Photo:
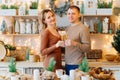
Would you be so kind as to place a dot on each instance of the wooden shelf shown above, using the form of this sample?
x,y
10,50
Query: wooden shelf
x,y
19,34
6,34
24,16
100,34
94,15
26,34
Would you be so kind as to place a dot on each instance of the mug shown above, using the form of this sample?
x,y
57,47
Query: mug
x,y
14,78
86,77
59,72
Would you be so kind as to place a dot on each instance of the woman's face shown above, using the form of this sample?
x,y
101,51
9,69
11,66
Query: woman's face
x,y
50,18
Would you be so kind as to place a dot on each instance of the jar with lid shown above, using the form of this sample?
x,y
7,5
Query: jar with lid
x,y
34,26
28,26
22,26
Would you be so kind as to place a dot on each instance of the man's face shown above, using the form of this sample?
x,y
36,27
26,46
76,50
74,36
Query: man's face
x,y
73,15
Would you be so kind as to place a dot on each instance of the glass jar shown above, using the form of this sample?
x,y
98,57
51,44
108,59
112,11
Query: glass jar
x,y
28,26
22,26
34,26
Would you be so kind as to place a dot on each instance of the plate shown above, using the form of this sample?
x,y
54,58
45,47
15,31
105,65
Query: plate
x,y
2,52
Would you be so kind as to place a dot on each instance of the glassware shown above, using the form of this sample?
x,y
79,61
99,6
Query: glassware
x,y
34,26
28,26
22,26
63,35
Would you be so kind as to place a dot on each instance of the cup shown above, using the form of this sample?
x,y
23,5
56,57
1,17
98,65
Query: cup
x,y
63,35
72,74
86,77
59,72
36,75
14,78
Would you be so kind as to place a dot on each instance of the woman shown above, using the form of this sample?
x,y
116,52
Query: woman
x,y
50,39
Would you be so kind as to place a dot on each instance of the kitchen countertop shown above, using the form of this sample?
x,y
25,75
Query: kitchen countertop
x,y
26,64
23,64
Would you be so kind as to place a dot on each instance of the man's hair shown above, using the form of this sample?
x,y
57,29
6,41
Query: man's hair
x,y
75,7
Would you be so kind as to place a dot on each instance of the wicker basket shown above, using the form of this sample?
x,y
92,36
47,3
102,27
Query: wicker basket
x,y
110,57
19,53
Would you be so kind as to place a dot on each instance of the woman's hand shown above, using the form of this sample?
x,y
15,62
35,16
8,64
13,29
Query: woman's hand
x,y
60,44
69,42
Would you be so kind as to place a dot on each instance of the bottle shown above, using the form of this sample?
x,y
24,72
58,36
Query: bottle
x,y
96,25
82,8
17,27
99,28
27,54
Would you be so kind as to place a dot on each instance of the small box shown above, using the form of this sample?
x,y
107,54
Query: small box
x,y
95,54
19,53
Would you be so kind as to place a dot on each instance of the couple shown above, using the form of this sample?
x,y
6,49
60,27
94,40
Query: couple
x,y
76,45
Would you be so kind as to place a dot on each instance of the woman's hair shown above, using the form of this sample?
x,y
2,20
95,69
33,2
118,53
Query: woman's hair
x,y
74,7
42,18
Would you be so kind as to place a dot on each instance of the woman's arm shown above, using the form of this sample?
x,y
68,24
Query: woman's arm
x,y
44,43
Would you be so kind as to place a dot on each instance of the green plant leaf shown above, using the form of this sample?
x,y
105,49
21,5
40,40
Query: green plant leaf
x,y
12,65
116,42
51,64
83,66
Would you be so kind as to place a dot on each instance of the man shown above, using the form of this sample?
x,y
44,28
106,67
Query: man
x,y
78,41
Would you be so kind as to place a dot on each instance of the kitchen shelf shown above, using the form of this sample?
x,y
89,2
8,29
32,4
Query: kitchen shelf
x,y
26,35
20,34
95,15
99,34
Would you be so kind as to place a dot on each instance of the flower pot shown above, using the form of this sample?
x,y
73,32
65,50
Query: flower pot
x,y
33,12
9,12
104,11
90,11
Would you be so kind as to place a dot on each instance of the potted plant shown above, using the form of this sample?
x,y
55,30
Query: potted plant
x,y
48,73
104,8
10,11
33,8
116,43
10,50
12,68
